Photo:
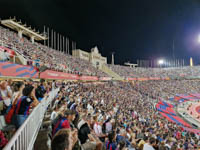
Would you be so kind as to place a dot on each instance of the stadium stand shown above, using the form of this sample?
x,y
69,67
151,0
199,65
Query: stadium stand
x,y
38,55
89,115
139,72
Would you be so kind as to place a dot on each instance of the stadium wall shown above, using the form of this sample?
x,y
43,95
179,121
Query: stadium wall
x,y
146,79
15,70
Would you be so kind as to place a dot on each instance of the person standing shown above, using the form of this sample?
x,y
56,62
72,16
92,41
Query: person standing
x,y
150,144
6,96
24,103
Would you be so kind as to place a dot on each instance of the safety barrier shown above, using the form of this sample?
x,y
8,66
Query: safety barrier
x,y
25,136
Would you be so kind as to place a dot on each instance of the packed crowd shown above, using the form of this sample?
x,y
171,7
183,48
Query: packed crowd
x,y
139,72
113,116
39,55
17,100
167,89
100,115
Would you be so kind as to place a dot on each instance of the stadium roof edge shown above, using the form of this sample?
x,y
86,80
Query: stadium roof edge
x,y
18,26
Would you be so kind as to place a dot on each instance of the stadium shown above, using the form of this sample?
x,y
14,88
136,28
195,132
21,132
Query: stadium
x,y
55,96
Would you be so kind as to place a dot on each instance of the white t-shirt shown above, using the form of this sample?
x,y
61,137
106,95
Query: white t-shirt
x,y
148,147
115,109
108,127
14,96
102,101
89,107
4,56
53,115
56,103
53,85
97,129
9,89
7,101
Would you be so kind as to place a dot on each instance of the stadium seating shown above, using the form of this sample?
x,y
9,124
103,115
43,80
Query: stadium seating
x,y
139,72
175,119
42,55
98,103
165,109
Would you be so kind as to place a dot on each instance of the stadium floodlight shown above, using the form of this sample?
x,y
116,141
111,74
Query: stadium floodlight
x,y
160,61
199,38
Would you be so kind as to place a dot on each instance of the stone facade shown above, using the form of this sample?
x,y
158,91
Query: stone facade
x,y
93,57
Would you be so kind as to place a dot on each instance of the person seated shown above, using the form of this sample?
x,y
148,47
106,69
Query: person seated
x,y
64,139
122,145
150,144
122,136
63,121
54,114
98,128
111,144
3,140
87,139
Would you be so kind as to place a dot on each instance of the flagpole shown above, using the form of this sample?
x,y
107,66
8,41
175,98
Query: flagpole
x,y
48,37
63,44
66,45
58,42
52,38
44,36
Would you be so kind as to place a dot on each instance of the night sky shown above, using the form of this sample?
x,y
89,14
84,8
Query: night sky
x,y
133,29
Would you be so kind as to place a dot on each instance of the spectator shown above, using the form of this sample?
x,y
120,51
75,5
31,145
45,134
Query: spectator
x,y
150,144
5,56
64,139
122,145
9,85
3,140
18,88
88,140
111,144
98,128
54,114
63,121
29,82
6,96
53,84
23,105
40,90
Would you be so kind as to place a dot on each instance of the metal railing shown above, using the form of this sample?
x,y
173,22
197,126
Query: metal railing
x,y
25,136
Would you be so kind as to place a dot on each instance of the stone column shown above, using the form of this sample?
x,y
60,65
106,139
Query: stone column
x,y
20,33
32,39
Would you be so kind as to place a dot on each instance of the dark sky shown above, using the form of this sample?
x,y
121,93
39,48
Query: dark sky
x,y
133,29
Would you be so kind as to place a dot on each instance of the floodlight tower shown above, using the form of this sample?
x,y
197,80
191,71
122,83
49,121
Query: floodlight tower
x,y
199,38
160,62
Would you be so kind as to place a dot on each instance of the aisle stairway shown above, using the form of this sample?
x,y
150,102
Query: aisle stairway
x,y
111,73
20,59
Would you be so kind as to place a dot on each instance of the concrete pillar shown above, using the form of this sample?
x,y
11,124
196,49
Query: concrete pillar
x,y
20,33
32,39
